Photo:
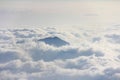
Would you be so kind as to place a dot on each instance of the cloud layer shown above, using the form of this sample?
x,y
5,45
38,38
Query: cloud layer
x,y
92,54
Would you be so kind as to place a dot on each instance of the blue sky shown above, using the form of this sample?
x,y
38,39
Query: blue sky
x,y
59,12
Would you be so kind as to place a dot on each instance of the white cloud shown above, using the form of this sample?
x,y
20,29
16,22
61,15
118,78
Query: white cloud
x,y
90,55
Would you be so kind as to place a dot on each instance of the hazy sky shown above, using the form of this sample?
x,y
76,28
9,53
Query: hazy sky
x,y
59,12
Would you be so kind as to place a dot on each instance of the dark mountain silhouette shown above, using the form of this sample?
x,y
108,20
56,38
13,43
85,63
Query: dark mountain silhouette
x,y
55,41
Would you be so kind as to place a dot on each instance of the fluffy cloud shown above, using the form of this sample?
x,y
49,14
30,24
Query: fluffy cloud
x,y
89,55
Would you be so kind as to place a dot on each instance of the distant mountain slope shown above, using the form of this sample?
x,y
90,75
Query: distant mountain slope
x,y
55,41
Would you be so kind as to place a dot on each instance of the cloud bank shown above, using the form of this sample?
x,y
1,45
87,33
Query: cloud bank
x,y
92,54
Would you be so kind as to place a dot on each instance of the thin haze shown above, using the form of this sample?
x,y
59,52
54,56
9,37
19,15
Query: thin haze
x,y
17,13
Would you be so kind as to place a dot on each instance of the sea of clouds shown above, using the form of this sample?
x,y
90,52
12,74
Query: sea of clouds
x,y
92,54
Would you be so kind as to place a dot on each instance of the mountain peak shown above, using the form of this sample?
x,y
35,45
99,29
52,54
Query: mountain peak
x,y
55,41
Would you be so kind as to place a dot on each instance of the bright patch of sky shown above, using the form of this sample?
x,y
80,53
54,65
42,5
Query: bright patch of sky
x,y
59,13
